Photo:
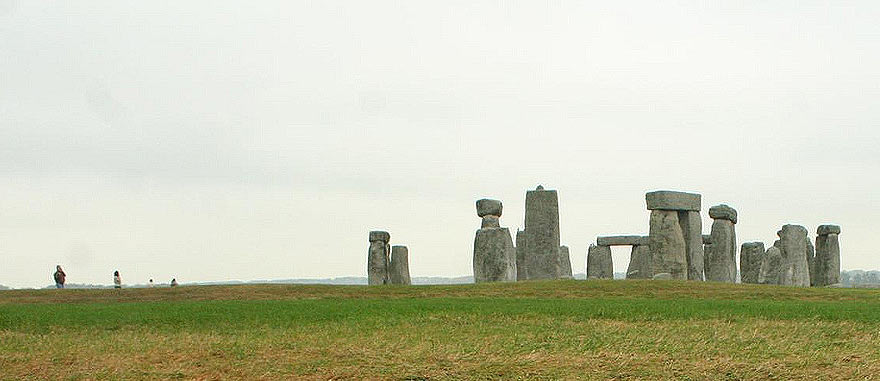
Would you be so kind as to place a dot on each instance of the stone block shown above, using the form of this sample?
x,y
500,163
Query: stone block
x,y
487,207
673,200
399,273
722,212
378,235
828,229
494,256
622,240
599,263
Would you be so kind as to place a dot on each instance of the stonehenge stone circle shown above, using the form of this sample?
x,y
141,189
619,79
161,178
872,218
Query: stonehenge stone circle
x,y
521,269
827,261
542,234
675,235
399,272
494,254
565,263
639,263
720,257
599,263
378,258
794,269
750,256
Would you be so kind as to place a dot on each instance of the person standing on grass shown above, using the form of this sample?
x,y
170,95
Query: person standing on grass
x,y
174,282
117,281
151,283
59,276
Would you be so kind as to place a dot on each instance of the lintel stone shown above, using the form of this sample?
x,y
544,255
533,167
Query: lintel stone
x,y
828,229
673,200
622,240
722,212
378,235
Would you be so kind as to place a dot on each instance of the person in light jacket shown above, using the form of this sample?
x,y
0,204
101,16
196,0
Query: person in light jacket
x,y
117,281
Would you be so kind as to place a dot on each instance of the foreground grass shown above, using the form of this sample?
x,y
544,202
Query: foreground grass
x,y
530,330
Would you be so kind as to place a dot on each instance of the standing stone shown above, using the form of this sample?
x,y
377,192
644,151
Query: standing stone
x,y
792,243
521,269
720,260
399,273
599,263
750,257
378,258
542,234
771,265
668,247
494,254
675,235
811,261
827,260
565,263
640,263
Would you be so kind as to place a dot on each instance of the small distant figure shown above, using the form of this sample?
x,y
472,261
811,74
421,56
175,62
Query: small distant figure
x,y
151,283
59,276
174,282
117,281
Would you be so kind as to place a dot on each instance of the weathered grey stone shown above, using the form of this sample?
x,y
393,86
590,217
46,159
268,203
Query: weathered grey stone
x,y
542,231
521,269
751,255
828,229
792,243
599,262
692,227
487,207
827,262
639,263
667,243
722,212
720,261
378,258
565,263
490,221
707,239
622,240
771,266
494,256
672,200
811,261
399,273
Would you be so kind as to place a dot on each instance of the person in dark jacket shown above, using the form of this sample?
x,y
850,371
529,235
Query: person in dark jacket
x,y
59,276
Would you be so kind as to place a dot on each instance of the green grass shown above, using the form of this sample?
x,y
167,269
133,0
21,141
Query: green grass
x,y
528,330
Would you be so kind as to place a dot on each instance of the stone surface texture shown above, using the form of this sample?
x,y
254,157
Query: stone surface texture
x,y
750,256
490,221
494,256
542,234
521,266
488,207
599,262
668,246
622,240
720,257
399,273
771,265
378,258
792,243
827,261
673,200
722,212
565,263
828,229
640,263
692,227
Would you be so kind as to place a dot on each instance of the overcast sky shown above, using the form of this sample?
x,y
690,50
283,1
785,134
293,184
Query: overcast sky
x,y
209,140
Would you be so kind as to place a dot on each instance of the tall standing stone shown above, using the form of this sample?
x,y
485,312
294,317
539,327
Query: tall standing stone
x,y
640,263
399,273
720,260
827,262
494,254
771,267
675,235
522,272
792,244
378,258
599,263
565,263
542,234
750,256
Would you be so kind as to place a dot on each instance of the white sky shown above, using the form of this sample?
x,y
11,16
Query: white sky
x,y
210,140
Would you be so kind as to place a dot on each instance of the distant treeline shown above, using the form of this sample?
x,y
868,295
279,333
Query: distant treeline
x,y
860,278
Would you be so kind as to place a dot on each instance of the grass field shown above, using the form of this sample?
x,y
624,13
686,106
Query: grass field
x,y
528,330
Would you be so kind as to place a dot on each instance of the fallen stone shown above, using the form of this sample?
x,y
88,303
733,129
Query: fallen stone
x,y
542,231
378,258
828,229
667,243
673,200
565,263
722,212
494,256
599,262
622,240
750,256
487,207
639,263
521,269
399,273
